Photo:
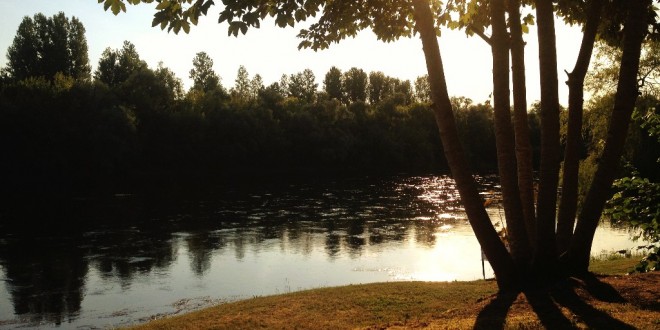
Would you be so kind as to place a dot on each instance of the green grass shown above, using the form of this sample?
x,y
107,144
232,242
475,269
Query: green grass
x,y
614,264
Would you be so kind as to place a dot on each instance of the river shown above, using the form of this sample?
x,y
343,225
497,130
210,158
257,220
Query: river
x,y
138,258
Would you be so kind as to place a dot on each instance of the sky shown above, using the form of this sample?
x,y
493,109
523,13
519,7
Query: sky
x,y
272,51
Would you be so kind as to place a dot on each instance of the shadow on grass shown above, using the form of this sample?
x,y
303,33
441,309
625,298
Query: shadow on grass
x,y
546,305
493,316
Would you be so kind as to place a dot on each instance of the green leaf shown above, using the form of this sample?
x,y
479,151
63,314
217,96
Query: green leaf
x,y
225,16
524,28
117,6
163,5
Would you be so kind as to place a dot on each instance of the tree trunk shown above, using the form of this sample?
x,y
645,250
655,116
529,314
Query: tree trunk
x,y
520,124
504,138
490,242
545,255
624,103
569,192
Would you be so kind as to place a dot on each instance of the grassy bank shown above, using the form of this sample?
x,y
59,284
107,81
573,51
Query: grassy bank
x,y
440,305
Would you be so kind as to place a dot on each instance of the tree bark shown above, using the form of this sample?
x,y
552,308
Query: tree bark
x,y
505,140
499,258
520,123
569,192
635,30
545,254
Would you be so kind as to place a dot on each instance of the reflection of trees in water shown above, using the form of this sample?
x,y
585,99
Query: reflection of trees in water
x,y
123,254
46,281
46,278
200,246
425,232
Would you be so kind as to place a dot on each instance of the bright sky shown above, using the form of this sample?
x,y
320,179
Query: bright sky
x,y
272,51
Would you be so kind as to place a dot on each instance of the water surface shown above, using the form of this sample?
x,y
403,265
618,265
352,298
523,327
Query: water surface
x,y
136,258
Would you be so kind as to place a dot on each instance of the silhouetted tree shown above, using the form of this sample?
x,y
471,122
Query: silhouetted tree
x,y
116,65
422,89
377,86
45,46
332,84
256,86
170,81
302,85
242,89
355,85
202,74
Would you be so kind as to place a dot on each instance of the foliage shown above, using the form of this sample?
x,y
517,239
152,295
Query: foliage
x,y
153,131
602,79
301,85
332,84
355,85
170,80
637,203
45,46
202,74
116,65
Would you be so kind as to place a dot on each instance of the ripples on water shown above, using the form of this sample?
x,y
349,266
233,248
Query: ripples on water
x,y
140,258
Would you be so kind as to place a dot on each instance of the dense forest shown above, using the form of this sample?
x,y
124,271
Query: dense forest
x,y
70,131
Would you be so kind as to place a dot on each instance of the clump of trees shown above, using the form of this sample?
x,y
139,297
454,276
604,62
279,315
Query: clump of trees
x,y
45,46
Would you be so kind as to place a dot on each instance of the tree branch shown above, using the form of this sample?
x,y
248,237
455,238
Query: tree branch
x,y
480,33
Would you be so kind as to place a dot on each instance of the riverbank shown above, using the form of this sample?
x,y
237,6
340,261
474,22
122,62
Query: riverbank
x,y
619,300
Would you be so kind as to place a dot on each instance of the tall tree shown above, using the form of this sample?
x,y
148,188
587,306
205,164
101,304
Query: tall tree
x,y
422,89
202,74
117,65
256,86
545,253
569,197
332,83
402,88
355,85
504,137
634,32
520,122
45,46
241,90
377,86
302,85
170,81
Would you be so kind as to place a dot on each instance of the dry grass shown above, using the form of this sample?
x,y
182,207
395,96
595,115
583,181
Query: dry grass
x,y
610,302
355,306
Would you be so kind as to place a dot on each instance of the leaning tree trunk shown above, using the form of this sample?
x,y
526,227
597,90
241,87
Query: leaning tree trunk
x,y
520,123
624,103
490,242
569,191
505,140
545,254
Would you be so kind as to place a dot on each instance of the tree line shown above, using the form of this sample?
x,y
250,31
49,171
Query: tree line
x,y
66,129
